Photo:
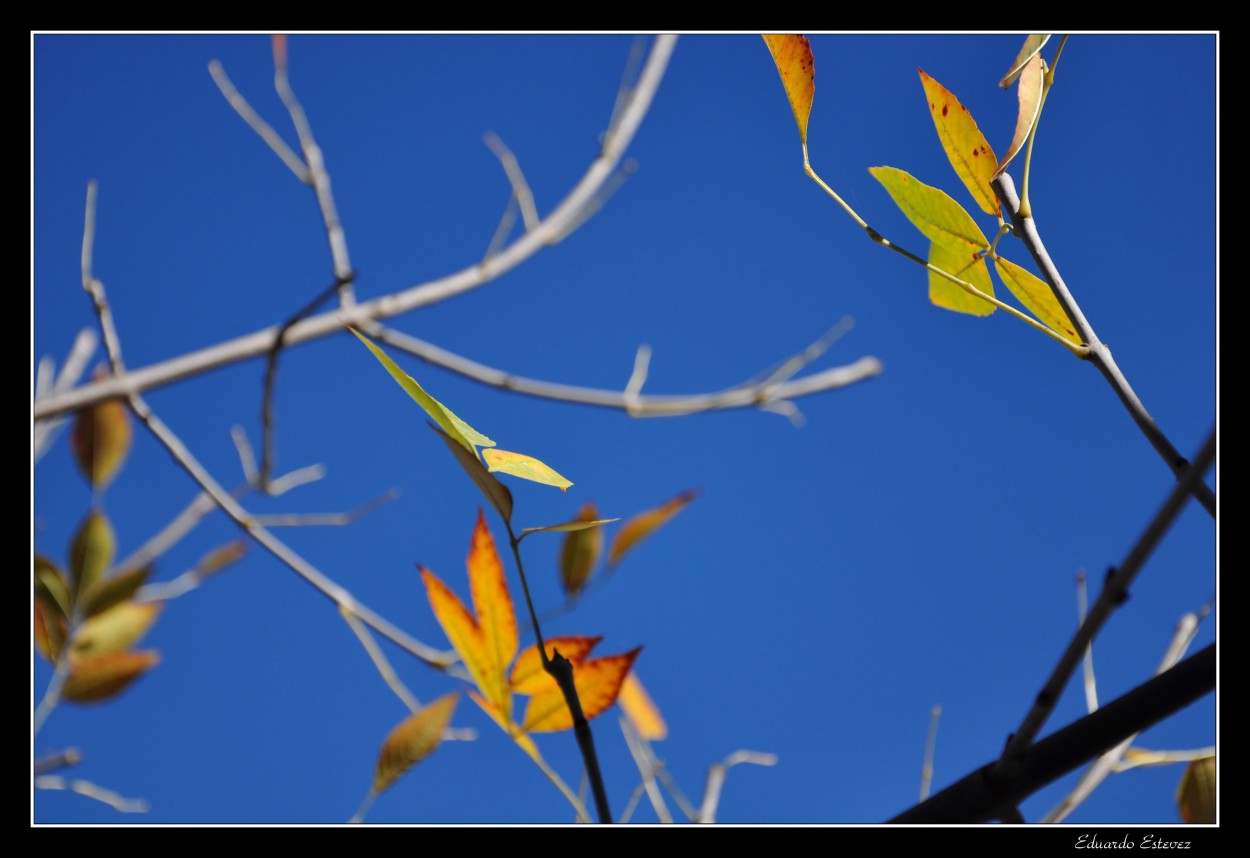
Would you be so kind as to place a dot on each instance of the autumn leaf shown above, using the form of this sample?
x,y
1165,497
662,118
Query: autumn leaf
x,y
580,553
496,492
462,432
1032,45
100,439
646,523
1195,797
91,551
793,57
51,629
1037,296
598,682
942,220
640,710
1029,93
107,592
50,586
413,740
967,266
525,467
528,675
94,679
495,614
963,142
114,629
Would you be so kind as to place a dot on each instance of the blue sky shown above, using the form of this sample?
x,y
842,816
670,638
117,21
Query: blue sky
x,y
914,543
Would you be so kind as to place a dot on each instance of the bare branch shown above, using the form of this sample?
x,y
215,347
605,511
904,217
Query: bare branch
x,y
930,746
260,126
716,774
644,759
45,431
59,760
90,790
520,188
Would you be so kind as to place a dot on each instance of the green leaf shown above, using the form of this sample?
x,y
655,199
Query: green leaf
x,y
1037,296
942,220
1032,45
966,147
496,492
50,587
107,592
967,266
91,552
462,432
793,57
568,525
1029,93
525,467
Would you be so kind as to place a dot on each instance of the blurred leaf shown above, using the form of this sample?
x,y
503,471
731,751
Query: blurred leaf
x,y
598,683
107,592
528,676
114,630
1030,96
496,492
1036,295
575,525
965,145
644,524
100,439
581,551
942,220
641,711
221,557
51,630
966,265
1032,45
1195,797
413,740
462,432
95,679
525,467
795,64
495,615
91,552
50,587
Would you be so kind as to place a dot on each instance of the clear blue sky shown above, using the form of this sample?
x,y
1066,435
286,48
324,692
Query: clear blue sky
x,y
914,543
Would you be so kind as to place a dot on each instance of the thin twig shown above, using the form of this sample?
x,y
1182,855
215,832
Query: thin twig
x,y
716,774
327,519
637,378
930,747
1141,758
644,759
1115,590
59,760
260,342
520,188
90,790
743,396
95,288
260,126
1082,608
383,666
1099,354
1112,760
75,365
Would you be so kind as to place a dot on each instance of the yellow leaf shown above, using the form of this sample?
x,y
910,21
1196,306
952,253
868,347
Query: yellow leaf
x,y
95,679
641,711
91,551
1032,45
598,682
1195,797
459,626
495,615
580,552
644,524
525,742
413,740
496,492
114,629
100,439
1029,93
967,266
462,432
528,676
1035,294
965,145
525,467
793,56
942,220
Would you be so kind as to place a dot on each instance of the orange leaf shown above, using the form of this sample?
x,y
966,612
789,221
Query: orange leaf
x,y
413,740
50,631
793,56
495,615
459,626
641,711
100,439
598,682
644,524
95,679
528,676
